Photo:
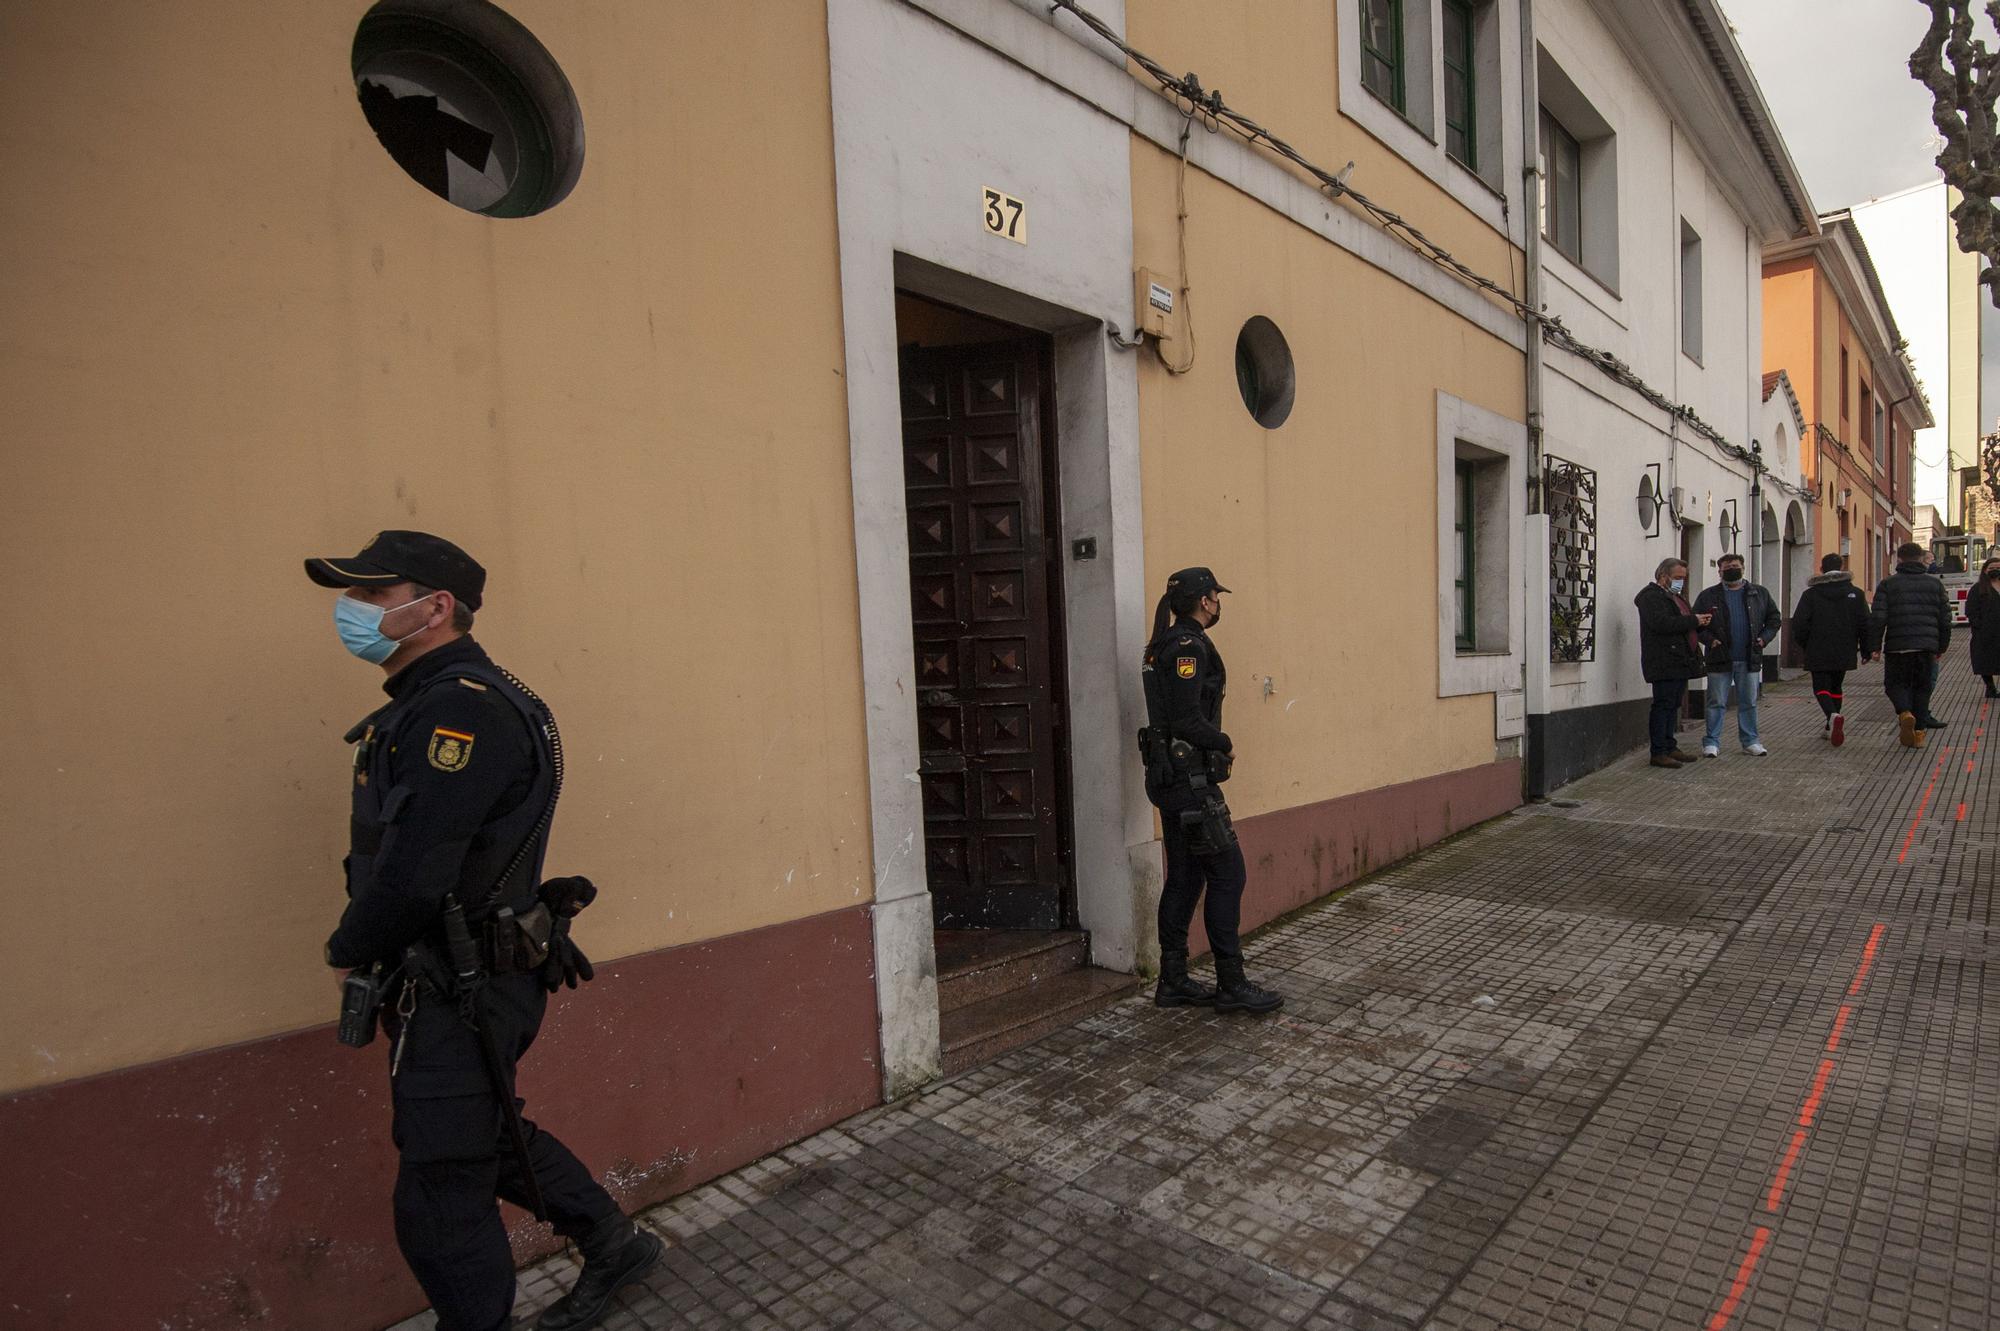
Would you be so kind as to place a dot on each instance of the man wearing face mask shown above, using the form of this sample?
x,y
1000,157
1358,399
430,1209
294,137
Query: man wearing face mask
x,y
1742,618
1187,757
455,783
1669,655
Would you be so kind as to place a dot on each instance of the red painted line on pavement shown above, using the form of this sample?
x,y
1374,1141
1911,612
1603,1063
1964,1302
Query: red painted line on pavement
x,y
1923,804
1818,1092
1968,772
1867,960
1785,1171
1742,1282
1961,808
1839,1025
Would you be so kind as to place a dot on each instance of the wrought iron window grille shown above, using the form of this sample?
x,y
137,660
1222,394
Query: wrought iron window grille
x,y
1569,495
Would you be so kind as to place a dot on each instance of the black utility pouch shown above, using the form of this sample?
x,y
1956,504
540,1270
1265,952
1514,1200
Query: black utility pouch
x,y
361,1005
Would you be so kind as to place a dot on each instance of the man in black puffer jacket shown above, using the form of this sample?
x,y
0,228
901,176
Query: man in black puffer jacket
x,y
1911,626
1669,655
1830,627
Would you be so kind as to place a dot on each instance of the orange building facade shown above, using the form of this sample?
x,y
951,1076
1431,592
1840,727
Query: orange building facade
x,y
1828,325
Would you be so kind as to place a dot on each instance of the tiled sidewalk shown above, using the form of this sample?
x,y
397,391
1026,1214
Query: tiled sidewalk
x,y
1707,1048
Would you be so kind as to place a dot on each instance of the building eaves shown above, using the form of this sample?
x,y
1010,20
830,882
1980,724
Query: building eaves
x,y
1733,67
1841,224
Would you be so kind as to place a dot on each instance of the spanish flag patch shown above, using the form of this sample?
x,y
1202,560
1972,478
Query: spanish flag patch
x,y
450,750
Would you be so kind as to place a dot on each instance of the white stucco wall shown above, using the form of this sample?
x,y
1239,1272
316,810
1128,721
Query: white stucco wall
x,y
1587,418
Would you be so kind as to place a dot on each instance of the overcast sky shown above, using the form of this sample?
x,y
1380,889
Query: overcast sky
x,y
1836,75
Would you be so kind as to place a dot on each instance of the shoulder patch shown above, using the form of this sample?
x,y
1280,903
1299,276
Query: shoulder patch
x,y
1184,667
450,750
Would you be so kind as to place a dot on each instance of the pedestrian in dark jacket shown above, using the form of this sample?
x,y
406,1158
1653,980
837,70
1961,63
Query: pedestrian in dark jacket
x,y
1742,618
1830,627
1669,654
1982,612
1911,625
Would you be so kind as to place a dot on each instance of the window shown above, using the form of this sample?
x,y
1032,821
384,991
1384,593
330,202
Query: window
x,y
1881,443
1382,51
1265,373
469,104
1577,163
1463,574
1867,417
1562,189
1690,292
1461,82
1843,388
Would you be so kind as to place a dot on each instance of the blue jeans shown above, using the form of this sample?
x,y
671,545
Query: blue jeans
x,y
1663,717
1741,682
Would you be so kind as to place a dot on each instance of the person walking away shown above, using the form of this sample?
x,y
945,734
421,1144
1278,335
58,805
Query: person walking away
x,y
1910,624
453,942
1670,655
1830,627
1982,613
1743,617
1187,756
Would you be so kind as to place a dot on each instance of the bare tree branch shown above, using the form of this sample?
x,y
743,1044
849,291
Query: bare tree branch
x,y
1961,74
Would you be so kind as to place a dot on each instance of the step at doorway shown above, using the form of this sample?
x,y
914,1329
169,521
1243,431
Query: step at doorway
x,y
999,989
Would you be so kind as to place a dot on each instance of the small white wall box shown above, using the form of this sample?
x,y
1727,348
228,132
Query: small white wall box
x,y
1152,304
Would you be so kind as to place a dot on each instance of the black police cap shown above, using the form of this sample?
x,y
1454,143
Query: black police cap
x,y
406,556
1195,582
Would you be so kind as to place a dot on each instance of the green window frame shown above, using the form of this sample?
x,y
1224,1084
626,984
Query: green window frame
x,y
1465,572
1382,51
1461,95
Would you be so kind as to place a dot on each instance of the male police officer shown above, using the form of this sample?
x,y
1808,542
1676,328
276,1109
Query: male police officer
x,y
1187,756
454,784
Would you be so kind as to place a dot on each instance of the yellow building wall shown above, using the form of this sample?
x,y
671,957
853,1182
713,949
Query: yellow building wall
x,y
1791,343
1277,61
1325,528
236,334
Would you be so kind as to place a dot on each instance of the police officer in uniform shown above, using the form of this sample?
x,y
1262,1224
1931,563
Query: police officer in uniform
x,y
1187,757
454,784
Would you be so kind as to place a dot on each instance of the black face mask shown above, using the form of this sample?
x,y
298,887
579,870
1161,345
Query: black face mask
x,y
1732,575
1218,613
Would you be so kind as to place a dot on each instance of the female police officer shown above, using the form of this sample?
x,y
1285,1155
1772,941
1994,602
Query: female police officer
x,y
1187,756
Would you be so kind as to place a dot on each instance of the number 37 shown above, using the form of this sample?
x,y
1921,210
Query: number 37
x,y
1006,215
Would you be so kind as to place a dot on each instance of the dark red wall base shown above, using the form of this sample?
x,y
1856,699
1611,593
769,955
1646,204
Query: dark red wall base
x,y
1296,856
249,1186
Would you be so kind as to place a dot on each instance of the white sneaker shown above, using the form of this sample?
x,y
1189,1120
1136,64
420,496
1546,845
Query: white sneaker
x,y
1710,751
1757,751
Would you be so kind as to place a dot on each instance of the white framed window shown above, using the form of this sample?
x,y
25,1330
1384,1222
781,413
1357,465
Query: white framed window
x,y
1426,78
1690,292
1578,167
1481,509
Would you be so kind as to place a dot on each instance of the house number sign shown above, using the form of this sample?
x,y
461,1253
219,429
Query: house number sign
x,y
1004,215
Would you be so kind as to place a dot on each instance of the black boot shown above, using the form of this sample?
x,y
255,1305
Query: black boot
x,y
1175,989
615,1254
1234,992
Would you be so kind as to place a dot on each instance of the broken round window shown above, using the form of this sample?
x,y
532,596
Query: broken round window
x,y
469,104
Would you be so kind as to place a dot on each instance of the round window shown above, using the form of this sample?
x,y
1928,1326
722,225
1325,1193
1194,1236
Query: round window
x,y
1264,373
469,104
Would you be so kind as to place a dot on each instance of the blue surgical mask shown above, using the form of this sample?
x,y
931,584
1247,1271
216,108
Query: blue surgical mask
x,y
1679,585
360,627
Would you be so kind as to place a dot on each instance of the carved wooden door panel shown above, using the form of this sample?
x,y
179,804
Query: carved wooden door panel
x,y
986,700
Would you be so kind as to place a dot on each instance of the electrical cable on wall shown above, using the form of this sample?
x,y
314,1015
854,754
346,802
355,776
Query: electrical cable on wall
x,y
1191,99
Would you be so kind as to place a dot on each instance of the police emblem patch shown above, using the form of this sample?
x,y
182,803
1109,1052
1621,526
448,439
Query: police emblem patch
x,y
1184,667
450,750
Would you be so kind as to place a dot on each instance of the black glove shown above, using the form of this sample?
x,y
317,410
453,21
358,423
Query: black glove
x,y
566,964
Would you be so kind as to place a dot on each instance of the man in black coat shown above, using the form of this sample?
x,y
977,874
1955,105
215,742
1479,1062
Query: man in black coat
x,y
1911,625
1743,617
1669,655
1830,627
1982,613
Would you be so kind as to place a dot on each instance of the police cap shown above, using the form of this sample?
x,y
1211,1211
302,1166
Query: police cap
x,y
1194,582
406,556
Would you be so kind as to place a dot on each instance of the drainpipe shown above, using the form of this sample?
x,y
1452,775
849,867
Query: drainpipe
x,y
1535,659
1531,247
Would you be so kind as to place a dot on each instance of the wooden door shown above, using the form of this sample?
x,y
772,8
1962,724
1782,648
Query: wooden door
x,y
979,495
